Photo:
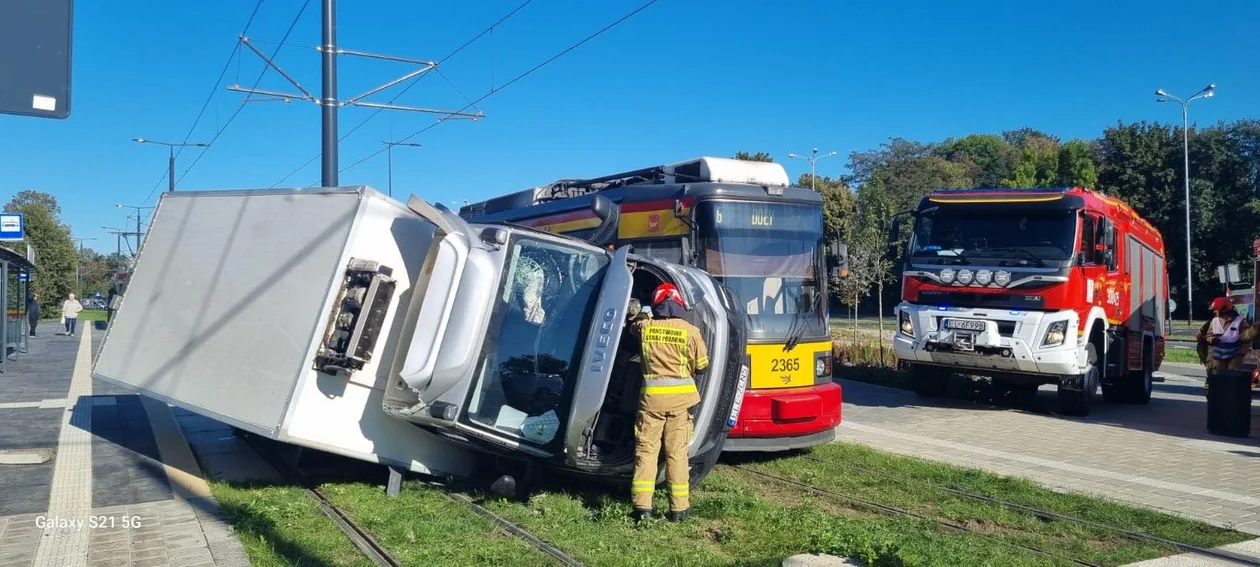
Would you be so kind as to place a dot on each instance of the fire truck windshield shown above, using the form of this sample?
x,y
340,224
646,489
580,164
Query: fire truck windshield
x,y
770,256
968,237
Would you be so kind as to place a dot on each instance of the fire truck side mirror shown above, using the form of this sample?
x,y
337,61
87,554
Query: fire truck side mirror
x,y
894,231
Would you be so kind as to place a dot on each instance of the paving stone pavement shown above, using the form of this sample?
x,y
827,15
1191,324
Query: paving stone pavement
x,y
1158,455
127,494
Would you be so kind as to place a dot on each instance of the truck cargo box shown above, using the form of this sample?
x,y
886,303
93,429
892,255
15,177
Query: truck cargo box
x,y
229,304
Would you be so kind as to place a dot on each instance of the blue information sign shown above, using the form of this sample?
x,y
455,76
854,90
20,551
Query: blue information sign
x,y
11,226
22,276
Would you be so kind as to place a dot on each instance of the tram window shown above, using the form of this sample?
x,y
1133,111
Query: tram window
x,y
667,250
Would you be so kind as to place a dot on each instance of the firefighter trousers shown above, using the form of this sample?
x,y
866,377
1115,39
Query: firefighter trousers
x,y
650,429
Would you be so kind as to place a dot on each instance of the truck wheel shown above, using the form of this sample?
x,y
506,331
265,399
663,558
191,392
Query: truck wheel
x,y
1079,403
929,381
1138,385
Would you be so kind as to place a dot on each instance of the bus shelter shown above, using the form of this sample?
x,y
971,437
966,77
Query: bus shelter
x,y
15,276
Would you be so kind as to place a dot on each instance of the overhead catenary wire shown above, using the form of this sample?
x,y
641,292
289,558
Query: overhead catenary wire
x,y
411,84
213,89
512,81
241,106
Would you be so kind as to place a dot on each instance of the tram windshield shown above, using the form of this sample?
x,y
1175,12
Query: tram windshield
x,y
770,256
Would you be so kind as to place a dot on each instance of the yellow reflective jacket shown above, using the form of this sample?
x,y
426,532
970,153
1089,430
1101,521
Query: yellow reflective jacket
x,y
673,352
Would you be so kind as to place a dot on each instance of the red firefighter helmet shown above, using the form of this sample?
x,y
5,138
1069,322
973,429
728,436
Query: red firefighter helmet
x,y
1221,304
667,291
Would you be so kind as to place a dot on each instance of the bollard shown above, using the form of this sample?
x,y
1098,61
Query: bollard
x,y
1229,403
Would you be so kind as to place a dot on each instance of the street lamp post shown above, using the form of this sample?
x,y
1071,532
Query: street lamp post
x,y
812,158
389,160
170,163
1207,92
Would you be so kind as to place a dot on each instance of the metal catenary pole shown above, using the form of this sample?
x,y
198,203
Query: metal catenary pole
x,y
328,103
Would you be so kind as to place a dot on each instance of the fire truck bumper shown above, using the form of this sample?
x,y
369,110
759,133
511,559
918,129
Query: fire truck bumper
x,y
993,340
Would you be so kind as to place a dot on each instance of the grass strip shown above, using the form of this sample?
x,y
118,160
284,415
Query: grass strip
x,y
911,483
423,527
282,526
745,522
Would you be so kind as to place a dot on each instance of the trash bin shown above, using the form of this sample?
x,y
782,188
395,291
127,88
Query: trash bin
x,y
1229,403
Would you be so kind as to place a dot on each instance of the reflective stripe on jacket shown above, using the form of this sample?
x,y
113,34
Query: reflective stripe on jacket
x,y
673,352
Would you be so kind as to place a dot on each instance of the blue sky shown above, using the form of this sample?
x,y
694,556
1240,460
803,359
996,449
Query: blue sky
x,y
680,79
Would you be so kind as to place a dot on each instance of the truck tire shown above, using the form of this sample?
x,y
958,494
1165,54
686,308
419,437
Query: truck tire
x,y
1137,386
930,381
1079,402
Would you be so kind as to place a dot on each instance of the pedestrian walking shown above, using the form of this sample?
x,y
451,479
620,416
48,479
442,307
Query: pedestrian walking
x,y
673,351
70,309
32,312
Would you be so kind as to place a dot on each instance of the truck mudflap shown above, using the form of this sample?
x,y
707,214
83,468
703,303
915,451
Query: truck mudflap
x,y
280,313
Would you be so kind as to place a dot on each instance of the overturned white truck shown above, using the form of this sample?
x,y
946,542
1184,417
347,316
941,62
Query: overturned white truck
x,y
345,321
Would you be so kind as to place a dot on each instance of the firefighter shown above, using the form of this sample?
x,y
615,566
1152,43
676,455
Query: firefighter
x,y
1228,336
672,353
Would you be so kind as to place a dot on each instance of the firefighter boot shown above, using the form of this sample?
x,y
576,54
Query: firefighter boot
x,y
679,516
641,514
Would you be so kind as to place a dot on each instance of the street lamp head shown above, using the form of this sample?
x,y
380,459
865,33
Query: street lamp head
x,y
1161,100
832,154
138,140
1210,90
815,150
793,156
1160,92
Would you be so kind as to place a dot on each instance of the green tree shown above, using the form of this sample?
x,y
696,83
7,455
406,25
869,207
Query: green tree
x,y
987,158
759,156
1076,166
56,260
1038,164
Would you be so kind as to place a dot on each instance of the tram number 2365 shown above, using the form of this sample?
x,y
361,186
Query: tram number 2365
x,y
785,364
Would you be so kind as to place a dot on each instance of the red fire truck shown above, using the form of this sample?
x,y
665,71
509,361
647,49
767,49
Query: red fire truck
x,y
1029,287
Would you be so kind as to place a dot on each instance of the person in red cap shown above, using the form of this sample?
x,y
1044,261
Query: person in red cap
x,y
673,351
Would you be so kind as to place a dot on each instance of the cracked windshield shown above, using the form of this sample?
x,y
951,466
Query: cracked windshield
x,y
542,313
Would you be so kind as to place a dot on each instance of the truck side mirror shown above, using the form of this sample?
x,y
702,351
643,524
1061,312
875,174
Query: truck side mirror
x,y
894,232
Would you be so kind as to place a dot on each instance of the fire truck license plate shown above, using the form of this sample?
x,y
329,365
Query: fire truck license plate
x,y
965,324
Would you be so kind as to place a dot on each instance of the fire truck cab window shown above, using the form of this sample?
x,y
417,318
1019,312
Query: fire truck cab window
x,y
539,327
1002,238
1090,237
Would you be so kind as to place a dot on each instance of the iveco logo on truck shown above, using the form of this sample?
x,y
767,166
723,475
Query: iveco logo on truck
x,y
1024,266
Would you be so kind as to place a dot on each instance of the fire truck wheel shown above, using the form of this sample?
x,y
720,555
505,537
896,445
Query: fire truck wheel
x,y
1079,402
1138,385
930,381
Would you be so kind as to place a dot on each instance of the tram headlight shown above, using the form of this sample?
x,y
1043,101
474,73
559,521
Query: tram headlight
x,y
965,276
947,275
822,365
1002,278
907,326
983,277
1056,334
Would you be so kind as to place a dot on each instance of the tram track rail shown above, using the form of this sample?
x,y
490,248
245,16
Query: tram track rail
x,y
368,545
